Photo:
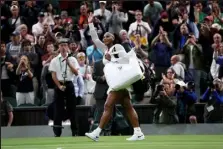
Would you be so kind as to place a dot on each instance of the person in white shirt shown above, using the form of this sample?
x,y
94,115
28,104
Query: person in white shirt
x,y
37,28
63,68
102,13
139,27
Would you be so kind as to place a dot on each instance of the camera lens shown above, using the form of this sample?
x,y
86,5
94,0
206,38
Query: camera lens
x,y
177,87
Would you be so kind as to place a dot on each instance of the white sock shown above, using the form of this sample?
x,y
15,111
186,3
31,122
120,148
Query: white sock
x,y
97,131
137,130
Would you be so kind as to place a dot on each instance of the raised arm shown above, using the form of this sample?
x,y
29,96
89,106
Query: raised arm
x,y
94,36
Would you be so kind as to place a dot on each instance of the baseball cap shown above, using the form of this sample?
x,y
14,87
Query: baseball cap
x,y
164,16
209,18
56,16
15,33
63,40
103,2
41,14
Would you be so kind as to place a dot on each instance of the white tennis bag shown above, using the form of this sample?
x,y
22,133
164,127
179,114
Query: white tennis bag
x,y
124,72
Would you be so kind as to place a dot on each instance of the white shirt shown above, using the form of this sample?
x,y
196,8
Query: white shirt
x,y
107,14
37,29
133,28
4,73
59,67
18,22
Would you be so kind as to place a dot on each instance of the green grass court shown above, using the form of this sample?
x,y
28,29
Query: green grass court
x,y
117,142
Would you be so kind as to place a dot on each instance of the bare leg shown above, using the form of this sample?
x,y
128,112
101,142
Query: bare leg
x,y
130,111
133,117
108,108
124,98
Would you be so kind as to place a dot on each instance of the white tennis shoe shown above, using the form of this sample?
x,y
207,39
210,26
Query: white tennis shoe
x,y
136,137
92,136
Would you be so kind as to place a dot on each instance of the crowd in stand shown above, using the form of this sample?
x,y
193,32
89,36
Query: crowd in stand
x,y
183,39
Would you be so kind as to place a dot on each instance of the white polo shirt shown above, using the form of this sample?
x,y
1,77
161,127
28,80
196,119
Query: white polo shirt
x,y
133,28
37,29
58,65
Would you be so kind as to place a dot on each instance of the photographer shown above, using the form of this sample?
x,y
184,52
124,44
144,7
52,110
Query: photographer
x,y
193,57
102,13
186,98
25,89
116,19
164,97
214,98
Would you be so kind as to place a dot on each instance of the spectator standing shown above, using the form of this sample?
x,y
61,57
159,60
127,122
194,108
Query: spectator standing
x,y
86,73
193,56
162,52
16,20
37,29
214,98
102,13
5,15
23,29
8,72
25,90
178,67
49,12
83,19
216,13
116,19
30,11
152,11
14,47
139,27
46,80
94,54
126,43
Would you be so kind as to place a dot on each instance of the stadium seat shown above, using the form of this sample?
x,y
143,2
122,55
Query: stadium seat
x,y
27,105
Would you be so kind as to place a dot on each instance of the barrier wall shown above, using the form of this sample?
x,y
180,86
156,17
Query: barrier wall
x,y
148,129
37,115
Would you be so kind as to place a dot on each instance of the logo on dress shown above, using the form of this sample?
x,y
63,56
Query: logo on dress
x,y
120,67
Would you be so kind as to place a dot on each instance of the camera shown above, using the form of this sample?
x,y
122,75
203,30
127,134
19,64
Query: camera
x,y
99,17
177,87
160,88
212,85
191,85
189,36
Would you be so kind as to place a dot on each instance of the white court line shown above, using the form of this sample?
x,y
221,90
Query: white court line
x,y
64,146
100,147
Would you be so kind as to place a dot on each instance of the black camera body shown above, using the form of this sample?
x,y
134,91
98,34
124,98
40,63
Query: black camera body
x,y
160,88
213,86
191,85
177,87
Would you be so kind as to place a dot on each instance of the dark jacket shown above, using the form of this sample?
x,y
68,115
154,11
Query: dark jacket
x,y
214,99
12,27
197,56
101,87
168,106
11,74
186,104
